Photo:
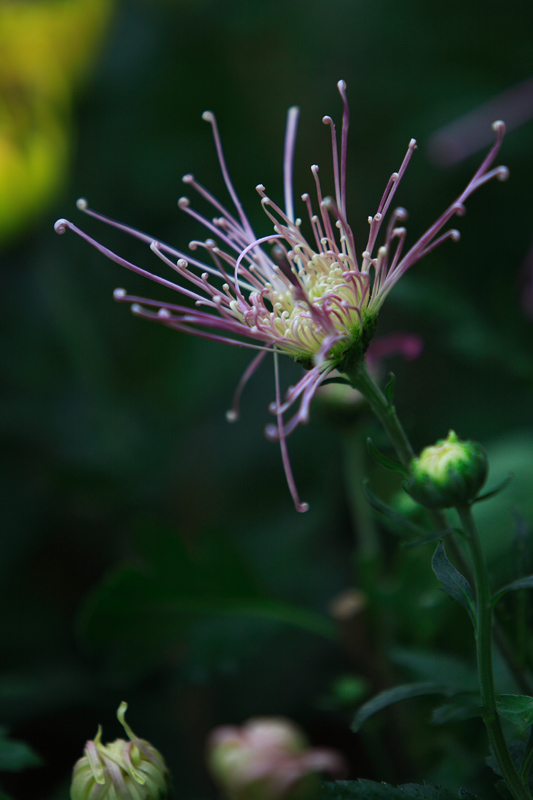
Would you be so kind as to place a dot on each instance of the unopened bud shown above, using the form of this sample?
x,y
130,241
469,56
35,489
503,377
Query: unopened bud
x,y
449,473
121,770
268,759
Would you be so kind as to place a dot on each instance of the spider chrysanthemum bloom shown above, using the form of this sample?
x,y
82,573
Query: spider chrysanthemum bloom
x,y
299,290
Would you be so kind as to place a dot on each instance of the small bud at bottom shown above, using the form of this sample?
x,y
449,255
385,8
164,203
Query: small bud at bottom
x,y
121,770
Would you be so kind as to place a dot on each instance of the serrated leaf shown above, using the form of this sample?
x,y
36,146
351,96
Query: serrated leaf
x,y
389,697
371,790
516,708
453,583
464,794
383,460
521,583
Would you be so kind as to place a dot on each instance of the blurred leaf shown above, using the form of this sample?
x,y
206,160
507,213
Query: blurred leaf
x,y
151,607
371,790
431,665
493,492
394,516
16,755
386,462
453,583
461,707
431,537
389,697
390,387
516,708
521,583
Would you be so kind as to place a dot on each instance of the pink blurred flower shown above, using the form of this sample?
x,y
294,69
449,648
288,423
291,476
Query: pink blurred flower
x,y
268,759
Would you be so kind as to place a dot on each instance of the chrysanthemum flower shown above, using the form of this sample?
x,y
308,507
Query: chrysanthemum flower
x,y
307,294
120,770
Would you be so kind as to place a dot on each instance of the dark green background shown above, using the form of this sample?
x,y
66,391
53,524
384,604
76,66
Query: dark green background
x,y
114,428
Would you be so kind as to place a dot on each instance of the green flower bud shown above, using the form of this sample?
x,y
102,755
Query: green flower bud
x,y
121,770
449,473
268,759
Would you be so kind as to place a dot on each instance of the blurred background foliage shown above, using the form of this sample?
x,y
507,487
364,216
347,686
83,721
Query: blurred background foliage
x,y
150,551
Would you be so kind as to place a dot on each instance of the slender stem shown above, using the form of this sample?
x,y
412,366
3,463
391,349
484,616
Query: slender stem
x,y
384,411
484,657
528,758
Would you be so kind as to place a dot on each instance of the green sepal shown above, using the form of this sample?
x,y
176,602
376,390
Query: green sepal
x,y
389,387
515,586
406,691
388,512
453,583
383,460
493,492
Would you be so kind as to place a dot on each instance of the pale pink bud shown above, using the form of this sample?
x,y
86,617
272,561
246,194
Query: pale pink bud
x,y
268,759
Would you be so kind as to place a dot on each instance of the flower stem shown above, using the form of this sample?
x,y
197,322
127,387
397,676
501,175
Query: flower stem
x,y
384,411
484,657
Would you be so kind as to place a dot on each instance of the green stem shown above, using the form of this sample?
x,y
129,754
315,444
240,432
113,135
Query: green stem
x,y
528,758
484,657
384,411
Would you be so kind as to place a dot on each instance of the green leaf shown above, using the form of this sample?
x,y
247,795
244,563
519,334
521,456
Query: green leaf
x,y
461,707
493,492
521,583
389,697
453,583
16,755
395,516
386,462
371,790
431,537
516,708
143,611
459,674
389,388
